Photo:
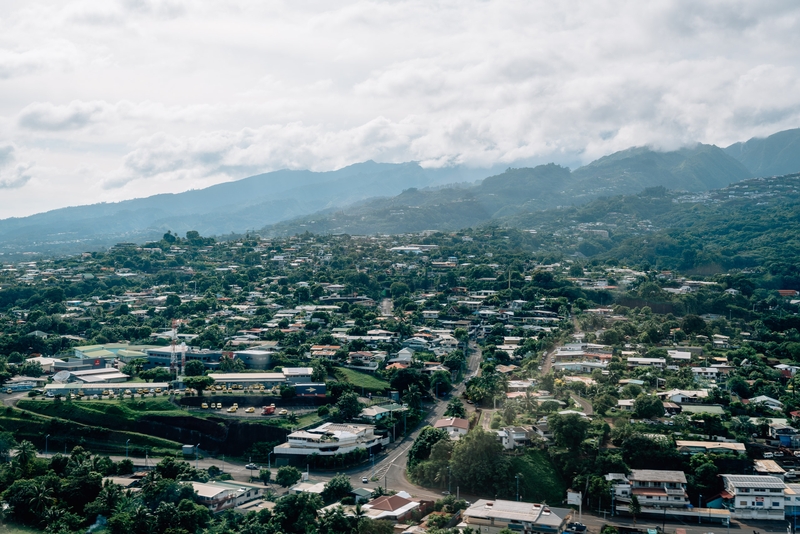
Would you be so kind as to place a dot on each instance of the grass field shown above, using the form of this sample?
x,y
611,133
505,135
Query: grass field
x,y
370,383
540,482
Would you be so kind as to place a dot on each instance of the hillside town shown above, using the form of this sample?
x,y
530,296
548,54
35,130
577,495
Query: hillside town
x,y
537,387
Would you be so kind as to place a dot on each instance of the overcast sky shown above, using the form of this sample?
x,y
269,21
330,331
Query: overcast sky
x,y
112,99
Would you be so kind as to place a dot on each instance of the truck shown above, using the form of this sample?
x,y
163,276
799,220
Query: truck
x,y
268,410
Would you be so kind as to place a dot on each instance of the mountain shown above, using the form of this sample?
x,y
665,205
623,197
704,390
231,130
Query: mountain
x,y
697,168
750,224
229,207
772,156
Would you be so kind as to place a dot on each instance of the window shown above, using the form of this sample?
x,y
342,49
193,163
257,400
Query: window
x,y
759,503
775,504
744,490
742,503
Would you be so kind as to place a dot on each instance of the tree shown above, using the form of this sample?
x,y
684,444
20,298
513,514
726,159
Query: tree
x,y
26,453
194,368
32,369
413,397
634,508
455,408
648,406
479,465
337,488
568,430
296,513
265,475
157,374
421,448
349,406
440,382
199,383
287,475
7,442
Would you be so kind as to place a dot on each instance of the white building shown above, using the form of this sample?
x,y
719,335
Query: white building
x,y
654,488
753,496
330,439
490,517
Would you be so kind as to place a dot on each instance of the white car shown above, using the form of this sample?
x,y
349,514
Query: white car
x,y
364,480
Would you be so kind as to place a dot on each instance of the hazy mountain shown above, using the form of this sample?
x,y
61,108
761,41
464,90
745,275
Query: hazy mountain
x,y
515,191
772,156
235,206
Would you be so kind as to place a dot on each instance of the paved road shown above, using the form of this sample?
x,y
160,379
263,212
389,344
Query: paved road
x,y
386,307
585,404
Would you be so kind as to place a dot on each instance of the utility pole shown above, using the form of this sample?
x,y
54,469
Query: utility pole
x,y
47,437
517,477
126,448
699,505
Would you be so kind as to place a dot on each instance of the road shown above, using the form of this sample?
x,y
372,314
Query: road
x,y
585,404
386,307
390,465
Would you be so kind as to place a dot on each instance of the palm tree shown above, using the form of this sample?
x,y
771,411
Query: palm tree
x,y
26,452
41,498
634,508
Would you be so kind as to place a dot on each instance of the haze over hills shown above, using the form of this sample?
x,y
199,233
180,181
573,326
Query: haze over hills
x,y
772,156
220,209
389,198
699,168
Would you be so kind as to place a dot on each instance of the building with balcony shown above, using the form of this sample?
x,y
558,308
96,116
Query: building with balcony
x,y
330,439
653,488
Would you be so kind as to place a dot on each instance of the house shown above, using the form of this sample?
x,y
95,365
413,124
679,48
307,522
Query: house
x,y
454,426
659,363
490,517
753,496
654,488
220,496
374,413
769,402
683,396
769,468
625,405
515,436
396,508
707,373
704,447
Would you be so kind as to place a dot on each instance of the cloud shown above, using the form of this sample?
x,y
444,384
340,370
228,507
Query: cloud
x,y
13,174
165,95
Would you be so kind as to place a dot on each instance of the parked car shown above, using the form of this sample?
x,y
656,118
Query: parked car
x,y
250,410
576,527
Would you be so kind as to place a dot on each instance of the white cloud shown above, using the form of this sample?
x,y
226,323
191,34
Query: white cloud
x,y
13,174
164,95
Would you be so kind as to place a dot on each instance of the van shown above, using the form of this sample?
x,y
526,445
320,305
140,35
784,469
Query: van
x,y
768,455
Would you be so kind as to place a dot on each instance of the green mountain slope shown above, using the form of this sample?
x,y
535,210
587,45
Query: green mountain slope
x,y
229,207
517,191
775,155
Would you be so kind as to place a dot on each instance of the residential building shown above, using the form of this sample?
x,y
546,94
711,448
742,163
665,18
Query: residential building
x,y
515,436
753,496
654,487
659,363
705,447
490,517
454,426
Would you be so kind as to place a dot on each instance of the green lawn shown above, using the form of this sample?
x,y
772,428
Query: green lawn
x,y
540,482
370,383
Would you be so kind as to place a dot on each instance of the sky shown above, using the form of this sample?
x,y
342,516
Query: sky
x,y
107,100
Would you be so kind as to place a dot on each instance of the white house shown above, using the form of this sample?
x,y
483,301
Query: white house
x,y
454,426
